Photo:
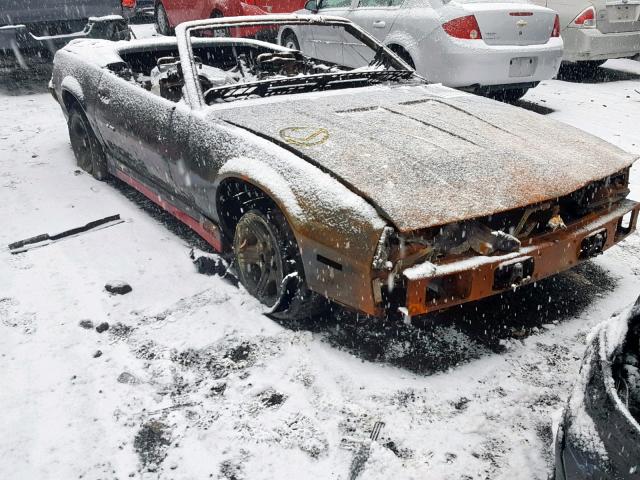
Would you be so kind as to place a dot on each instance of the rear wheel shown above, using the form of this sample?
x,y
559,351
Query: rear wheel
x,y
403,54
509,95
289,40
161,20
269,265
87,149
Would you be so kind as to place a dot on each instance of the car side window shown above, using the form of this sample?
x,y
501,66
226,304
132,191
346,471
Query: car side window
x,y
335,4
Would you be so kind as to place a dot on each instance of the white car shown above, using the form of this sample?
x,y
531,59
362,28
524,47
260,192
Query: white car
x,y
596,30
500,49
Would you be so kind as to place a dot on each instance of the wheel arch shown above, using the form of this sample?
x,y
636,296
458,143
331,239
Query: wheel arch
x,y
399,49
71,93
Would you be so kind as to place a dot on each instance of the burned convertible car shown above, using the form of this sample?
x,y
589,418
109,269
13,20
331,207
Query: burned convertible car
x,y
364,185
599,436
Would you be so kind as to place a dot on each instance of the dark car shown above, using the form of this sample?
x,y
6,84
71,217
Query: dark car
x,y
46,25
361,184
599,436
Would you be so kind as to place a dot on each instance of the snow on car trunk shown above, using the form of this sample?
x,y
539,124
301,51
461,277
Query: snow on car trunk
x,y
512,23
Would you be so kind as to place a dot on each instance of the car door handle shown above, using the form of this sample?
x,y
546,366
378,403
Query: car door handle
x,y
379,24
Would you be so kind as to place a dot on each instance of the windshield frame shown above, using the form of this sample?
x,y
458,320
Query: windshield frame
x,y
193,92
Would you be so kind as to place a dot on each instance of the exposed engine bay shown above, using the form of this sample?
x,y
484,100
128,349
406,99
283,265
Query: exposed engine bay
x,y
225,62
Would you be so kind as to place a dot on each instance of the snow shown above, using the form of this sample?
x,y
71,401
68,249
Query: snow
x,y
224,391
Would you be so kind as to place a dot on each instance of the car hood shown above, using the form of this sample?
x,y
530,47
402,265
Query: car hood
x,y
427,155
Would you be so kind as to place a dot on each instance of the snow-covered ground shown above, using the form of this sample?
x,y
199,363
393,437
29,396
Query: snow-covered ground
x,y
190,381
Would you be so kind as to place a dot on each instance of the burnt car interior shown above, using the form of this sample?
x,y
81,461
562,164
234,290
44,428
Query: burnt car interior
x,y
233,68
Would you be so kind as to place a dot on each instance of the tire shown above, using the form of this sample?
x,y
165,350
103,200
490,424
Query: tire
x,y
509,95
87,149
161,20
404,55
269,266
289,40
220,32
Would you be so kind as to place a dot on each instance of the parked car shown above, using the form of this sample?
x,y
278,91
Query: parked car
x,y
599,436
169,13
491,47
361,184
46,25
597,30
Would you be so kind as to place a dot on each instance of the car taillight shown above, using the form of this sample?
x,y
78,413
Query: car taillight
x,y
586,19
128,3
463,27
556,27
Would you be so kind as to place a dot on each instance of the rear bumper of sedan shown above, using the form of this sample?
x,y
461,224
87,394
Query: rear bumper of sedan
x,y
473,63
584,44
477,277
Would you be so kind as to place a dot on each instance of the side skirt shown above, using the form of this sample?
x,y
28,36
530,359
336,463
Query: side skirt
x,y
201,225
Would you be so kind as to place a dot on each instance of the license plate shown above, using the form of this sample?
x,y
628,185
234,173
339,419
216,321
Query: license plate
x,y
622,13
522,66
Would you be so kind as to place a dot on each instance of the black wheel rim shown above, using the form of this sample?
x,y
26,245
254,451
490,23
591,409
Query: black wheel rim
x,y
81,143
258,259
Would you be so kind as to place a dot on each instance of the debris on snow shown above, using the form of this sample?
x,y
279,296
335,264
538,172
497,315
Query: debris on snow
x,y
118,287
103,327
86,324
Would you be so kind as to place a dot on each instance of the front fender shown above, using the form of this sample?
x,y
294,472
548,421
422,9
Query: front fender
x,y
337,231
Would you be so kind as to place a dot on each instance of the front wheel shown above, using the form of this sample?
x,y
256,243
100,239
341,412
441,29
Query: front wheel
x,y
269,266
87,149
161,20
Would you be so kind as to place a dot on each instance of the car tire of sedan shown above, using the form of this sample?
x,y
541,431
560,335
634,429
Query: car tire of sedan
x,y
289,40
509,96
161,20
269,265
87,149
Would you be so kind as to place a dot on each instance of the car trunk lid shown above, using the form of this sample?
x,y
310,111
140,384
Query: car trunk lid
x,y
512,23
617,16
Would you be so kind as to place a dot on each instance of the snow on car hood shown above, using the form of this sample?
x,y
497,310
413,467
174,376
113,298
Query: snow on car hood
x,y
426,155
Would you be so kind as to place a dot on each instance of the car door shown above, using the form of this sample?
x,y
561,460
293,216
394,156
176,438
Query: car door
x,y
202,148
136,126
377,17
329,39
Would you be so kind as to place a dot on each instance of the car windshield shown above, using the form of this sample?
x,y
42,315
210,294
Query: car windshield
x,y
259,58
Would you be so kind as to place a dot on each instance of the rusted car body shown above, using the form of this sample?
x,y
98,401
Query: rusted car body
x,y
400,195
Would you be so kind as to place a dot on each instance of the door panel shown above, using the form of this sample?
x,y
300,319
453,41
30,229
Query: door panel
x,y
201,149
136,127
329,40
377,17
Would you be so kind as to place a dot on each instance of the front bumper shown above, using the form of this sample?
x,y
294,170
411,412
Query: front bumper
x,y
584,44
470,63
18,38
480,276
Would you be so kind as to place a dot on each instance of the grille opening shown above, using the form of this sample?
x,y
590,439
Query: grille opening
x,y
448,288
625,224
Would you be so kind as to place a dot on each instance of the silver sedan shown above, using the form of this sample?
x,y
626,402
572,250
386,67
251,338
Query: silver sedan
x,y
496,48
